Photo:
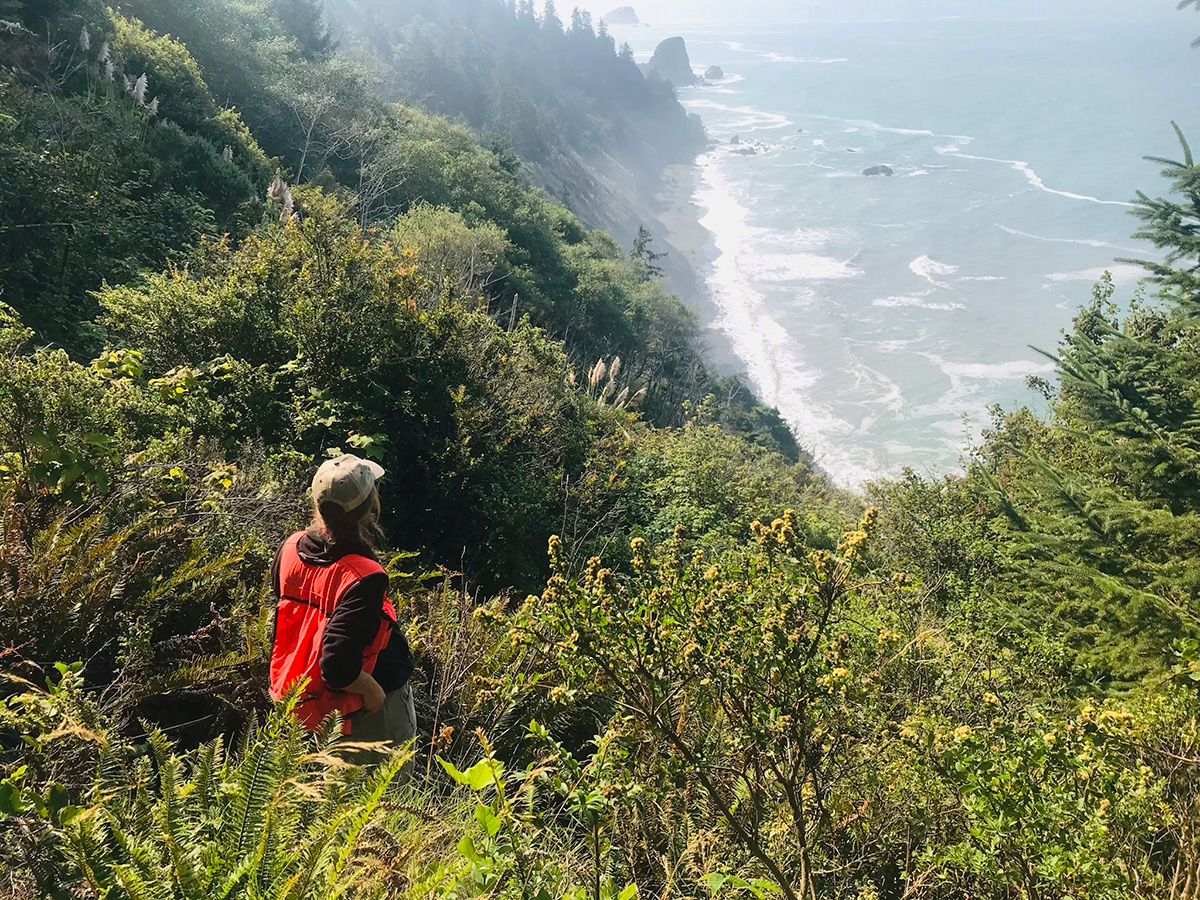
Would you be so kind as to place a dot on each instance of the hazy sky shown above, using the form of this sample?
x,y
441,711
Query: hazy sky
x,y
686,11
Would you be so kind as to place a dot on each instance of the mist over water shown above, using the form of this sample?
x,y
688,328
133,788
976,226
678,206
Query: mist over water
x,y
883,316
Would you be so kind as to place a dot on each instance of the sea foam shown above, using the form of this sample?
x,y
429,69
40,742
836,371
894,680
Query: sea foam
x,y
1032,177
931,270
751,119
764,345
1122,273
914,303
1082,242
739,47
788,267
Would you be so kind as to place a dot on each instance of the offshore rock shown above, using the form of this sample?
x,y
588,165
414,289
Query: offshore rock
x,y
880,170
714,73
623,15
671,63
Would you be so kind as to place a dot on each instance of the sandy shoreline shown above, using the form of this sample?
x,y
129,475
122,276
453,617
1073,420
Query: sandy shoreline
x,y
692,249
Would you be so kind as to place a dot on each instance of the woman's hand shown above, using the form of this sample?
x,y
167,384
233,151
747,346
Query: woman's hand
x,y
368,688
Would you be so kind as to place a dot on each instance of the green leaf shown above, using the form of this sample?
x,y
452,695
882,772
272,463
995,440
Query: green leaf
x,y
763,888
489,821
57,798
466,849
483,773
452,772
628,893
10,799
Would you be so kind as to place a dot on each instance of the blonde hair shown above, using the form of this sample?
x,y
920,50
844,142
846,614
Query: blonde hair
x,y
356,526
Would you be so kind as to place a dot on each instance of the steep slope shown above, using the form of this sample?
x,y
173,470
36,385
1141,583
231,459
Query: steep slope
x,y
595,132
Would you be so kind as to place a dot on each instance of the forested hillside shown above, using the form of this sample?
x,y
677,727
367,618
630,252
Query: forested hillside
x,y
657,654
561,94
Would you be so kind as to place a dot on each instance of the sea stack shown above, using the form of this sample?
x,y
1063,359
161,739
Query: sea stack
x,y
671,63
879,170
623,15
714,73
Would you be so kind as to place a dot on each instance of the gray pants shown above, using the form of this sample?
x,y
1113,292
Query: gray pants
x,y
394,723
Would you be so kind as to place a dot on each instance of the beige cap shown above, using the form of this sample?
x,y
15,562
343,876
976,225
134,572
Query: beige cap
x,y
346,481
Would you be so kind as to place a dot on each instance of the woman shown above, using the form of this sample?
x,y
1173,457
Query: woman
x,y
334,623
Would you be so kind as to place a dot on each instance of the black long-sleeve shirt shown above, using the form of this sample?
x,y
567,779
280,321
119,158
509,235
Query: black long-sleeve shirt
x,y
355,621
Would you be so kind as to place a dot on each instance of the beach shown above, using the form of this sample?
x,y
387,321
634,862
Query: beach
x,y
888,315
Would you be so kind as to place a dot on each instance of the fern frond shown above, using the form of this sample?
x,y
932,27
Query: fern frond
x,y
335,882
256,785
178,842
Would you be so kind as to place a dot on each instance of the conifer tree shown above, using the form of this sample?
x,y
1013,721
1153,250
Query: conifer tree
x,y
305,21
1173,225
645,256
581,23
551,23
1105,504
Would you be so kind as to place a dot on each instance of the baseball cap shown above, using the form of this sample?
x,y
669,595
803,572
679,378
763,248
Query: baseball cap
x,y
346,481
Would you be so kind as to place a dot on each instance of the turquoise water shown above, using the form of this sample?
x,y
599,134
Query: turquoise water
x,y
884,315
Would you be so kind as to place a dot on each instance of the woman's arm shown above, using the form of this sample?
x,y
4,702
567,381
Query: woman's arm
x,y
349,631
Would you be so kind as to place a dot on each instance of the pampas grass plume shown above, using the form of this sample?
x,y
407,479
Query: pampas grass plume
x,y
139,89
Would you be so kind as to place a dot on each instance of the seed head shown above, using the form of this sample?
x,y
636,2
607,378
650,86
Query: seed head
x,y
139,89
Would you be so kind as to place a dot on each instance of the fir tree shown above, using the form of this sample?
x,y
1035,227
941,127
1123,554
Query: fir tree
x,y
551,23
305,21
645,256
581,23
1173,225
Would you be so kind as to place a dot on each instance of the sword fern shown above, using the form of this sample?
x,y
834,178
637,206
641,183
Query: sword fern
x,y
268,819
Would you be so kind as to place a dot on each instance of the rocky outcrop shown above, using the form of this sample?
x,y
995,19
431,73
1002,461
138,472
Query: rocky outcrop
x,y
747,147
623,15
880,170
714,73
671,63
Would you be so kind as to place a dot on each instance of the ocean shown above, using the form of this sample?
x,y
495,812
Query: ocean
x,y
884,316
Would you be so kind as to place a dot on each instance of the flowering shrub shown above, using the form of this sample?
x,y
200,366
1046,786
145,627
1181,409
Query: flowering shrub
x,y
730,678
1049,808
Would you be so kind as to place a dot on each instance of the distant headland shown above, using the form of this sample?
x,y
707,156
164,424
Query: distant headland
x,y
622,15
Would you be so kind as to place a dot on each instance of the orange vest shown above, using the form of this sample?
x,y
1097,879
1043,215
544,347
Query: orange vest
x,y
308,595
